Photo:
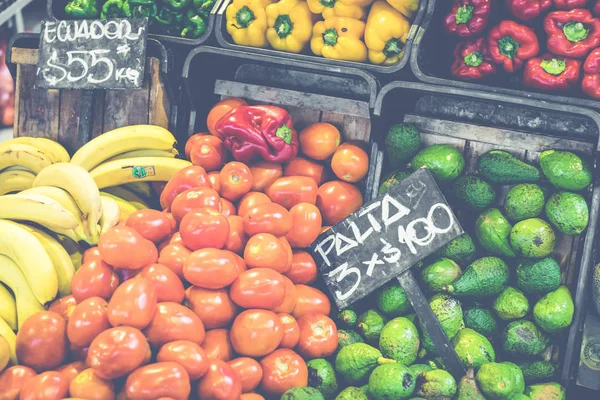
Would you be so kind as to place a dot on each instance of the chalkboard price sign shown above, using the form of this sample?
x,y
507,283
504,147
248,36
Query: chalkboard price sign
x,y
384,238
92,54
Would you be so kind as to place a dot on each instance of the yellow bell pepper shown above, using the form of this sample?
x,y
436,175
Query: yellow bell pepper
x,y
408,8
289,24
247,22
385,34
339,38
339,8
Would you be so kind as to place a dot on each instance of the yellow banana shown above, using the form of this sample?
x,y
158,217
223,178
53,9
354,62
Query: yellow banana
x,y
23,155
4,353
15,181
122,140
125,208
141,169
8,307
54,149
111,214
18,243
73,248
36,208
11,338
128,196
145,153
142,189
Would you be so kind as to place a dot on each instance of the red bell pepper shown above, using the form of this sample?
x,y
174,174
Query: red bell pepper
x,y
511,43
596,8
572,33
472,60
254,132
569,4
527,10
551,73
468,18
591,75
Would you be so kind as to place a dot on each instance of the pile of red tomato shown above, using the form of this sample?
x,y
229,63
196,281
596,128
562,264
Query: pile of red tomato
x,y
210,298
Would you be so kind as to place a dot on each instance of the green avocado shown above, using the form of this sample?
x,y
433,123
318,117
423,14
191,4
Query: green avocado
x,y
546,391
534,371
399,340
460,250
502,168
538,276
321,376
524,201
448,311
418,369
392,300
369,325
439,274
467,388
302,393
402,142
348,337
348,317
436,384
474,192
568,212
522,337
492,231
352,393
532,238
472,348
356,361
554,311
500,381
391,382
566,170
481,320
485,277
391,179
511,304
443,161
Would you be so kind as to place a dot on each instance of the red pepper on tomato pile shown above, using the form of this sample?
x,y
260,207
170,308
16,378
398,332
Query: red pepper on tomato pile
x,y
551,73
591,75
572,33
596,9
472,60
569,4
527,10
511,43
468,18
254,132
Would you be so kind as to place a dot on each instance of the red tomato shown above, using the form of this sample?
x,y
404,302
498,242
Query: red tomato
x,y
12,381
306,225
92,279
204,228
187,178
283,369
266,251
289,302
237,237
199,197
258,288
88,385
227,208
188,354
208,152
47,386
251,200
267,218
241,264
214,307
291,331
133,304
117,351
71,370
127,274
221,382
64,306
290,252
264,174
151,224
319,140
211,268
88,320
152,381
93,253
192,140
213,177
172,322
291,190
251,396
318,336
78,353
310,299
176,239
336,200
219,110
302,167
325,228
350,163
174,256
166,283
217,345
250,372
255,333
42,341
304,268
235,180
124,247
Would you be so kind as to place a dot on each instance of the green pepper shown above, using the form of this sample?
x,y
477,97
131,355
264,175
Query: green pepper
x,y
204,7
195,26
112,9
82,9
177,5
140,9
168,22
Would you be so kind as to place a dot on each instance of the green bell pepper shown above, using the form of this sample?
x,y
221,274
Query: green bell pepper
x,y
195,26
177,5
81,9
168,22
112,9
204,7
140,9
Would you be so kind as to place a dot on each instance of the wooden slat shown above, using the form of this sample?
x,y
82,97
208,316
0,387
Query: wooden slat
x,y
69,118
98,112
429,140
303,117
24,56
351,127
158,107
38,108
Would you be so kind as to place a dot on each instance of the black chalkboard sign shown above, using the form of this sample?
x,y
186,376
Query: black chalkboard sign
x,y
92,54
384,238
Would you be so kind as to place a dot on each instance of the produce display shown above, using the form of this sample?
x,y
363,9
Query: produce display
x,y
351,30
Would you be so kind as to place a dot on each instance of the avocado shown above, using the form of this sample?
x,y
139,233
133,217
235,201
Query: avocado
x,y
524,201
566,170
448,311
538,276
348,317
352,393
418,369
474,192
472,348
436,384
402,142
546,391
356,361
500,381
443,161
502,168
511,304
520,397
554,311
534,371
522,337
302,393
391,179
348,337
392,300
439,274
532,238
481,320
369,325
492,231
485,277
568,212
391,382
399,340
460,250
467,388
321,376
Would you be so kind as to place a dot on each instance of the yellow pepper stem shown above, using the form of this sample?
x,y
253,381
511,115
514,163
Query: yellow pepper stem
x,y
327,3
393,47
244,17
330,37
283,26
